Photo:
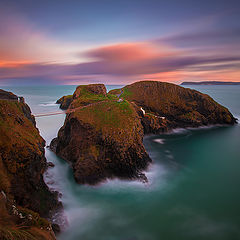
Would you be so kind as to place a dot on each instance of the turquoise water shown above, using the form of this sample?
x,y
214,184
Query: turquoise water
x,y
193,192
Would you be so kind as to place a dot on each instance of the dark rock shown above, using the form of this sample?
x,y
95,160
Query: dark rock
x,y
181,107
22,163
92,88
56,228
65,102
50,164
102,137
8,95
98,149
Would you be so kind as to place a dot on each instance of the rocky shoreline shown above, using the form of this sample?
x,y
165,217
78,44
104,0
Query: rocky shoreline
x,y
102,138
25,199
103,133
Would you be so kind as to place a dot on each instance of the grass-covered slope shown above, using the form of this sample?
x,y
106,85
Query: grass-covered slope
x,y
22,164
102,138
181,106
65,101
102,134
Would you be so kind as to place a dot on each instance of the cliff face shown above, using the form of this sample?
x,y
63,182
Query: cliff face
x,y
180,107
102,134
102,138
65,102
84,95
22,164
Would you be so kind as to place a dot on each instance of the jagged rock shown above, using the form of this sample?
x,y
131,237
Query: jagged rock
x,y
102,136
181,107
50,164
8,95
22,160
103,139
65,102
96,89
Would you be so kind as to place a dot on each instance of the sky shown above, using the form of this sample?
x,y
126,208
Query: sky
x,y
118,42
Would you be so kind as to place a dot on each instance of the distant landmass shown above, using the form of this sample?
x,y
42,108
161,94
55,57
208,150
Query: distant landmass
x,y
210,83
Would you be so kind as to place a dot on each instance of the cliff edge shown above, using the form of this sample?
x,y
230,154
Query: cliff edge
x,y
102,138
102,134
25,200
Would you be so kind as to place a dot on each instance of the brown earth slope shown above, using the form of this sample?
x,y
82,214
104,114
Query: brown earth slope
x,y
102,135
24,197
181,107
103,138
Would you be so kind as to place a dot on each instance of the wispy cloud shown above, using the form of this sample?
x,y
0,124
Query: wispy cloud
x,y
28,55
21,41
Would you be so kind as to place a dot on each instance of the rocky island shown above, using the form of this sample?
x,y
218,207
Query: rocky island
x,y
103,132
25,200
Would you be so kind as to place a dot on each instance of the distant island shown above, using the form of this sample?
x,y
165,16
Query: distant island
x,y
210,83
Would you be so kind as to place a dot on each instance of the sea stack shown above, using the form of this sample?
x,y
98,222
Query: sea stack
x,y
102,138
102,134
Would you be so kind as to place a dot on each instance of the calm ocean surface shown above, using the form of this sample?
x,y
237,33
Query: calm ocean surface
x,y
193,191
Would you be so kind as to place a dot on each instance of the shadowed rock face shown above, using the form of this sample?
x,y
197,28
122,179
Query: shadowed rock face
x,y
98,89
22,164
7,95
102,139
102,136
65,102
181,107
85,94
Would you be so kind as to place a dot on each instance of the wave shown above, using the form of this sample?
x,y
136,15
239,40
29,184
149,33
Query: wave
x,y
155,173
47,104
189,129
159,140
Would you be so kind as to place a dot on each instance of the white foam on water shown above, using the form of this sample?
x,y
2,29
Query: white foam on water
x,y
154,173
170,156
47,104
159,140
178,131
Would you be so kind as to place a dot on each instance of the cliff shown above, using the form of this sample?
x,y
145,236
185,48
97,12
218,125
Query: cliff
x,y
102,134
178,106
102,138
25,199
65,101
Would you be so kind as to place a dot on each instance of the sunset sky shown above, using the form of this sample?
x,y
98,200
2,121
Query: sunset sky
x,y
118,42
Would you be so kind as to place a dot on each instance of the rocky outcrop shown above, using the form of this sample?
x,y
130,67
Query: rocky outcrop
x,y
17,223
8,95
22,164
95,89
102,140
180,107
65,101
84,95
102,134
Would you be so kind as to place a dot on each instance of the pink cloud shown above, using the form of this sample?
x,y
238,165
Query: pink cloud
x,y
130,52
21,41
29,54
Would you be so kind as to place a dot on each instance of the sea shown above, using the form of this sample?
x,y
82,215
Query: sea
x,y
194,182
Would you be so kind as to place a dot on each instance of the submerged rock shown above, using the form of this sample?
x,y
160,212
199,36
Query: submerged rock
x,y
22,164
102,136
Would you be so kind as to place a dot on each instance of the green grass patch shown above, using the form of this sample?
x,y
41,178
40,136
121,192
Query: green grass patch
x,y
109,114
126,92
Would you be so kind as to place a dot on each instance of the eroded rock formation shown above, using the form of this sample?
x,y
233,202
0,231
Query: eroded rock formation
x,y
25,198
102,134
